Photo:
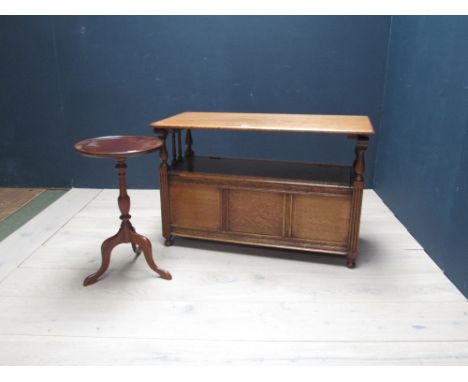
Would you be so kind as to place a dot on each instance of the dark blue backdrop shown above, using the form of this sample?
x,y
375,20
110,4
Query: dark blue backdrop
x,y
422,160
68,78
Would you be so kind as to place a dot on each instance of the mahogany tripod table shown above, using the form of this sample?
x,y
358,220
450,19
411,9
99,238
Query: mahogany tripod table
x,y
120,148
301,206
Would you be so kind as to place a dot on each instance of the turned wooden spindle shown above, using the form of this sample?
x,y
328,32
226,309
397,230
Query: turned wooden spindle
x,y
180,157
174,148
359,162
123,199
188,142
164,188
123,202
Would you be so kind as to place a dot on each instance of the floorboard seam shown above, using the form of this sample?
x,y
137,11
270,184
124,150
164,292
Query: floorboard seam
x,y
181,339
58,229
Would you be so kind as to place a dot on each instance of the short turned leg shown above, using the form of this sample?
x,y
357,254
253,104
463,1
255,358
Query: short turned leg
x,y
145,246
351,263
106,249
169,241
351,260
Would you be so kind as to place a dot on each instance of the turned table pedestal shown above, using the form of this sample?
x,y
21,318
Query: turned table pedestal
x,y
120,148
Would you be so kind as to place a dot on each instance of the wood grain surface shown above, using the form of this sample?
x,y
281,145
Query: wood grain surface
x,y
12,199
304,123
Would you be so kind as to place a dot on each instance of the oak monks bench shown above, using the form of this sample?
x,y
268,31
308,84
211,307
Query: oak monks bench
x,y
299,206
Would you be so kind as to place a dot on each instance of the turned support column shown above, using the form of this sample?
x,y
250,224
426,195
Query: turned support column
x,y
188,142
359,163
358,186
174,148
164,188
124,200
180,158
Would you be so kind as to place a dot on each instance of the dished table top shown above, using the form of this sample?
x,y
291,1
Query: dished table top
x,y
118,146
303,123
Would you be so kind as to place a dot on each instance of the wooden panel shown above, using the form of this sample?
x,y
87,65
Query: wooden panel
x,y
298,172
244,182
263,240
321,218
195,206
307,123
256,212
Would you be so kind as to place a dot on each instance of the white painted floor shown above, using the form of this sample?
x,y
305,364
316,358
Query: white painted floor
x,y
226,304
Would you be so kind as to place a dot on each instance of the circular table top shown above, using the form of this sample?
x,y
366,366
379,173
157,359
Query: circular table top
x,y
118,146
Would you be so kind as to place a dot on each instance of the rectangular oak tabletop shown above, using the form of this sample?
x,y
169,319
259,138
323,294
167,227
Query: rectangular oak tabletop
x,y
303,123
